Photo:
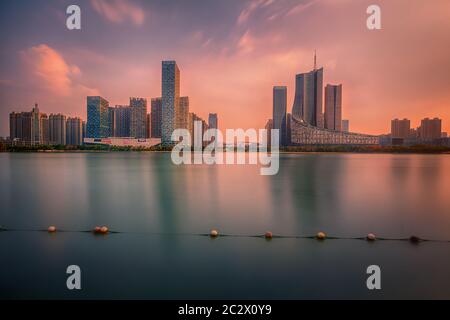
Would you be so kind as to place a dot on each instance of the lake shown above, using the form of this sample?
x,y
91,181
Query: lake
x,y
162,212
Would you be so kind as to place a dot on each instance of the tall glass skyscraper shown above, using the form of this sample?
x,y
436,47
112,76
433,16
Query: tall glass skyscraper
x,y
333,107
279,111
170,98
308,97
97,117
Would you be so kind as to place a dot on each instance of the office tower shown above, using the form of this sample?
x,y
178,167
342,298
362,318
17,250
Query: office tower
x,y
308,97
333,107
138,117
74,131
400,128
213,121
430,129
279,111
97,117
345,125
156,117
57,129
122,121
181,113
170,89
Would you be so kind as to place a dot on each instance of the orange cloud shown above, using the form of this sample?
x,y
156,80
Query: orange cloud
x,y
118,11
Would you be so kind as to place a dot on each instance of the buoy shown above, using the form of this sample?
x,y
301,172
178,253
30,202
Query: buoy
x,y
214,233
51,229
371,237
97,229
321,236
104,230
414,239
268,235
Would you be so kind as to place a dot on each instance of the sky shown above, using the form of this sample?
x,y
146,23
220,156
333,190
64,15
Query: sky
x,y
230,53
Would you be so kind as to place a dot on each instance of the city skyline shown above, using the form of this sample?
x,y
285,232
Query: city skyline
x,y
245,48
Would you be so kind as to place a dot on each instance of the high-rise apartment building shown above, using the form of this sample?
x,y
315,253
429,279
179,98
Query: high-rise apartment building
x,y
57,129
122,121
156,117
138,117
308,97
170,90
333,107
430,129
29,128
269,127
279,119
400,128
97,117
74,131
149,126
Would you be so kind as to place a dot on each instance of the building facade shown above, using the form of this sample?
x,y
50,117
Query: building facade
x,y
333,107
430,129
74,131
400,128
156,117
182,113
279,119
138,126
122,121
308,97
97,117
213,121
346,125
57,129
170,90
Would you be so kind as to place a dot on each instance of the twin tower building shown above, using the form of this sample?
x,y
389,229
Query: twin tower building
x,y
307,106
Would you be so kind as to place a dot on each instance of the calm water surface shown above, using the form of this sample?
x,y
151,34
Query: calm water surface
x,y
161,208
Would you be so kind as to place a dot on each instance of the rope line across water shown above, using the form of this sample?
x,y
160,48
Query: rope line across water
x,y
214,234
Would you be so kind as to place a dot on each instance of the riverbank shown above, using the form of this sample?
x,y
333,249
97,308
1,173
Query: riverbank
x,y
418,149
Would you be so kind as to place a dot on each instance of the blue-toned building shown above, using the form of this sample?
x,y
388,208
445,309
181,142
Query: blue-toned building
x,y
98,118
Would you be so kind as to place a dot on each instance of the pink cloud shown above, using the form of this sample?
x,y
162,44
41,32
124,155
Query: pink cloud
x,y
46,67
118,11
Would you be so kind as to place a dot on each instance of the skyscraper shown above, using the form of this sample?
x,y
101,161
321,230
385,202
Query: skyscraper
x,y
122,121
111,122
279,111
156,117
138,117
181,113
400,128
148,132
97,117
333,107
170,89
74,131
213,121
308,97
269,127
57,129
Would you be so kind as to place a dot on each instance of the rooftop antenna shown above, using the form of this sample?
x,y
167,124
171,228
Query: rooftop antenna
x,y
315,61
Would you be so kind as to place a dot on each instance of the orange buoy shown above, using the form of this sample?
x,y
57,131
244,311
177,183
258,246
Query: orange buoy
x,y
97,229
321,236
214,233
268,235
51,229
371,237
104,230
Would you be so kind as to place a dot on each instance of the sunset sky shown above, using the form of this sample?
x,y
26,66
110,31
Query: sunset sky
x,y
230,54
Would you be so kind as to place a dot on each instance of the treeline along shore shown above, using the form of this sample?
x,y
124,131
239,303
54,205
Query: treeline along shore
x,y
420,149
